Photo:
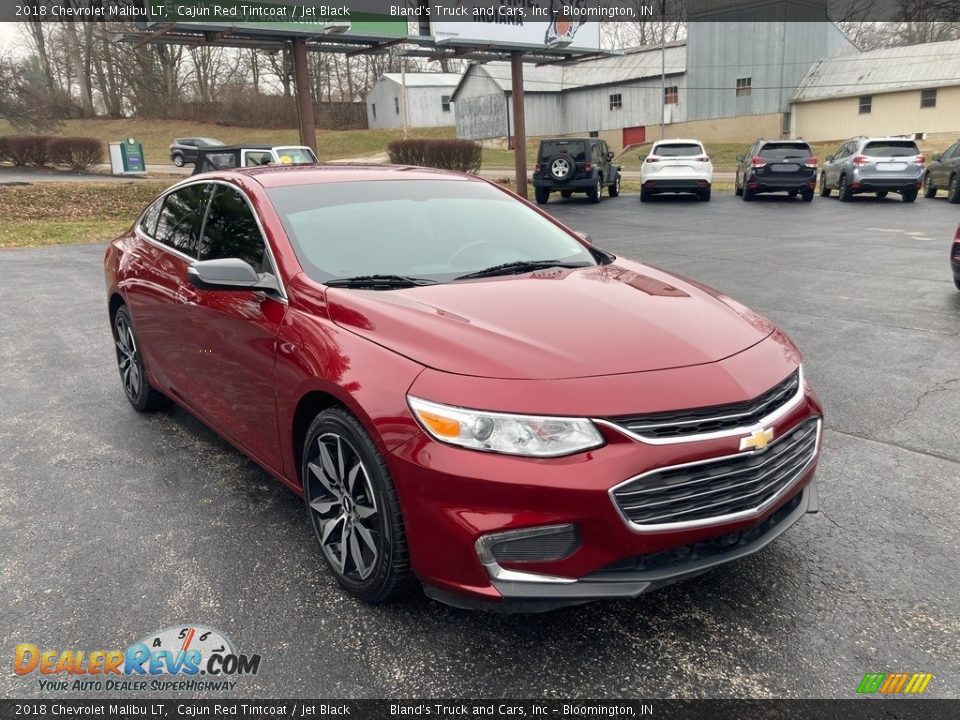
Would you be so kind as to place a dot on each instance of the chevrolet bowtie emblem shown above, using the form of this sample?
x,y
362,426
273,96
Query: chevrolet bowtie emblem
x,y
757,440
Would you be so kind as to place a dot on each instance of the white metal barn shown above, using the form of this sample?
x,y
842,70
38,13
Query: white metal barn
x,y
428,100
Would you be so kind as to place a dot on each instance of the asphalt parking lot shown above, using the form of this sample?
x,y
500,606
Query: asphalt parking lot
x,y
115,524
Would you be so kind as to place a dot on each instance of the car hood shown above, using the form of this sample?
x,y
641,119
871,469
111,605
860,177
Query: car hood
x,y
553,324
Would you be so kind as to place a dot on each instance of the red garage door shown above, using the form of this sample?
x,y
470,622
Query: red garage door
x,y
634,135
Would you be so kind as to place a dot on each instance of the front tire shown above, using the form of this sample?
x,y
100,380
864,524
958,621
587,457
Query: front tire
x,y
542,195
929,189
178,160
353,508
824,188
141,394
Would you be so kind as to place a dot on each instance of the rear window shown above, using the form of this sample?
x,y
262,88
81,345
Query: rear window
x,y
295,156
555,147
891,148
678,150
785,151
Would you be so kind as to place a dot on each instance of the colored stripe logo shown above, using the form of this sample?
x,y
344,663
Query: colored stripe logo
x,y
894,683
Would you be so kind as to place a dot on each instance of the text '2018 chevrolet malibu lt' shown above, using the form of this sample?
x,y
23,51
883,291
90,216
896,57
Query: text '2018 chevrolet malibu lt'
x,y
463,390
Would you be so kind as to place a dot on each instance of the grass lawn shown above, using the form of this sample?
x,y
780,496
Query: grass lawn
x,y
156,136
65,213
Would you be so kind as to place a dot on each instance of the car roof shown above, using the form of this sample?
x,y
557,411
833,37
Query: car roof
x,y
251,146
270,176
669,141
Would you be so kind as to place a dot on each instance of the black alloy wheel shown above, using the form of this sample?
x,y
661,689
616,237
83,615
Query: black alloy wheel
x,y
133,377
353,508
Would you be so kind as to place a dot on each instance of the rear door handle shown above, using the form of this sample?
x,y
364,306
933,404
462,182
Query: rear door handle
x,y
187,294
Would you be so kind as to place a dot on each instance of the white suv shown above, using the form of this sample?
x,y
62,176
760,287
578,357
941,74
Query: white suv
x,y
676,166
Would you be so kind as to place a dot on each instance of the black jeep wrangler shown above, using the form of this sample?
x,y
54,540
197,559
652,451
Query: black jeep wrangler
x,y
569,165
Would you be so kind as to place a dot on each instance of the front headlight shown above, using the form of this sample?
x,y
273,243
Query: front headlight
x,y
528,435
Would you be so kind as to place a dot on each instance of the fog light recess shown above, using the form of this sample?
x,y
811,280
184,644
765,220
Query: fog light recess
x,y
541,544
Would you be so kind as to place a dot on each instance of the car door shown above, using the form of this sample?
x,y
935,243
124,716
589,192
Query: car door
x,y
742,163
155,272
947,166
228,337
605,164
832,168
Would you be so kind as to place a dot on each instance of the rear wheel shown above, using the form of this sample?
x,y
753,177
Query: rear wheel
x,y
614,189
353,508
807,195
824,188
748,194
178,160
542,195
593,194
929,189
909,195
844,190
953,194
704,195
141,394
644,195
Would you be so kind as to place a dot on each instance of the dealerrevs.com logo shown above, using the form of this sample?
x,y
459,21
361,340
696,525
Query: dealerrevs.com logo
x,y
179,658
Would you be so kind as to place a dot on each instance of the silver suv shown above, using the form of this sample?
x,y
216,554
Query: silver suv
x,y
877,165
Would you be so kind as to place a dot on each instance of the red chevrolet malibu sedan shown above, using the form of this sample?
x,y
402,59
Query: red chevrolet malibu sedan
x,y
463,390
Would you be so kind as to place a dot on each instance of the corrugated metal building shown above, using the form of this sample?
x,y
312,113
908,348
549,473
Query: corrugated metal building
x,y
428,100
894,91
621,94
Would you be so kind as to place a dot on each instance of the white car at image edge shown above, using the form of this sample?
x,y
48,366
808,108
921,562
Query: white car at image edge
x,y
676,166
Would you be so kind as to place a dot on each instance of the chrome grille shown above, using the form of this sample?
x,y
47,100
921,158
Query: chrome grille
x,y
715,418
713,488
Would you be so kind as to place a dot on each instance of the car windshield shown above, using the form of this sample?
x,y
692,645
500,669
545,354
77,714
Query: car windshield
x,y
891,148
295,155
428,229
783,151
677,150
550,148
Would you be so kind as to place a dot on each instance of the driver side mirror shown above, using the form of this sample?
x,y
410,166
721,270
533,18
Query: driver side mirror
x,y
229,274
937,157
830,158
740,158
608,156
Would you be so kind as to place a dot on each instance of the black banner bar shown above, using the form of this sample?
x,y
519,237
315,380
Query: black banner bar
x,y
149,709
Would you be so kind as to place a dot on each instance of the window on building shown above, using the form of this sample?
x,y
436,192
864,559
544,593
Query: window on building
x,y
396,105
373,108
594,133
866,104
744,86
928,98
445,103
671,95
616,101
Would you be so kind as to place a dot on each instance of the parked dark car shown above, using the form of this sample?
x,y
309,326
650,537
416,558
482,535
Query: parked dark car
x,y
943,173
777,166
462,389
230,157
184,150
575,165
955,258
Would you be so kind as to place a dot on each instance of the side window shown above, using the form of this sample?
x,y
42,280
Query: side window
x,y
257,157
951,152
179,220
148,223
231,231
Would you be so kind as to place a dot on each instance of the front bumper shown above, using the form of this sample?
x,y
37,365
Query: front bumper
x,y
522,593
451,497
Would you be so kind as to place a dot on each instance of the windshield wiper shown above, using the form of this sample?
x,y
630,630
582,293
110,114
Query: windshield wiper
x,y
520,266
379,282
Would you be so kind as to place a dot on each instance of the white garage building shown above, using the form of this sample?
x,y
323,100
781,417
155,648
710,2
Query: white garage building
x,y
428,100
